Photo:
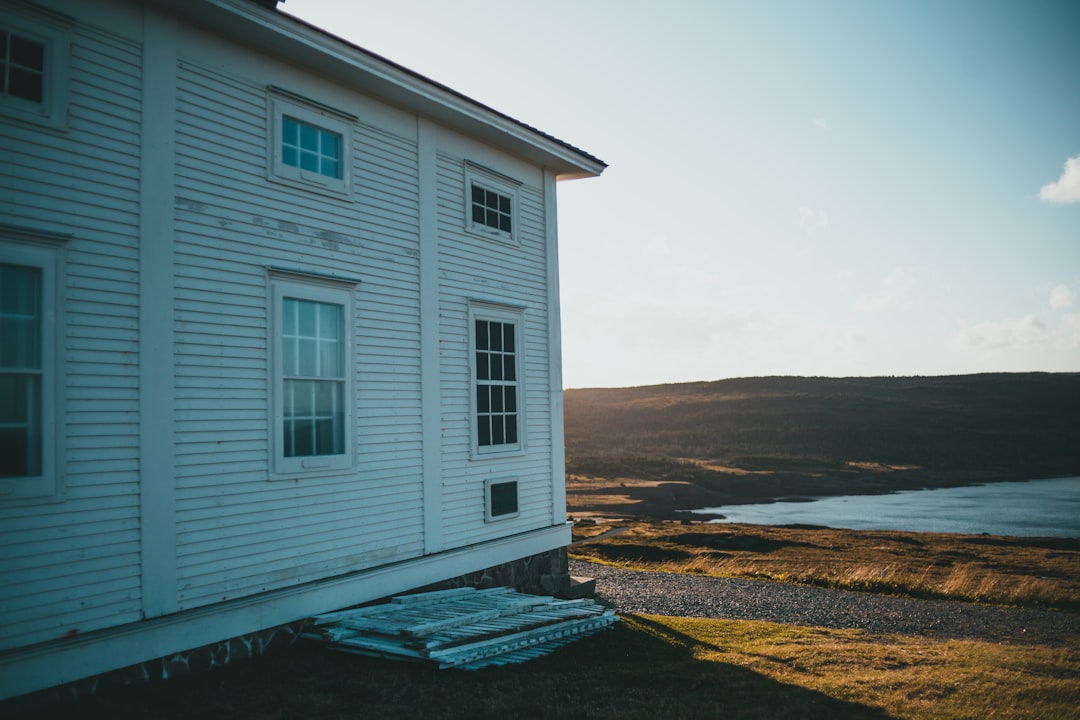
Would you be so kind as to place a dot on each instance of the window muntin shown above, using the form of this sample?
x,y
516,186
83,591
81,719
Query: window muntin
x,y
491,201
313,378
310,145
34,66
497,385
491,209
29,370
312,387
310,148
22,67
21,371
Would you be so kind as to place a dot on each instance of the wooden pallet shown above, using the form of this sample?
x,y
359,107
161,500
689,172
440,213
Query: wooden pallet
x,y
463,628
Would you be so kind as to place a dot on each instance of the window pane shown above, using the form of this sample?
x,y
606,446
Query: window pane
x,y
306,312
330,168
482,335
508,337
20,317
482,372
492,218
498,437
504,204
511,429
309,161
496,399
509,368
290,156
511,398
290,131
20,425
504,223
26,84
27,53
496,367
477,195
309,138
484,430
483,399
495,341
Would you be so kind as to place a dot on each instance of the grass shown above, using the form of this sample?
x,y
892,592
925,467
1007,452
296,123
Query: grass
x,y
647,667
1037,572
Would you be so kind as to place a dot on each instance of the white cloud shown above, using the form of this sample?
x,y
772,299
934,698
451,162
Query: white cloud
x,y
1061,297
1002,334
821,124
1070,331
811,220
895,292
1067,187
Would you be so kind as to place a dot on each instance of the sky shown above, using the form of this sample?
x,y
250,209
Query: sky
x,y
819,188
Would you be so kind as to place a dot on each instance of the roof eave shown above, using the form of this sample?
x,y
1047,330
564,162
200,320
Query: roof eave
x,y
283,35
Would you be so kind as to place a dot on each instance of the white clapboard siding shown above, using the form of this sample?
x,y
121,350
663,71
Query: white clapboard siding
x,y
240,532
479,268
72,566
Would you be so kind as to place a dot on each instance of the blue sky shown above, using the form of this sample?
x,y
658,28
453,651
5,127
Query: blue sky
x,y
795,188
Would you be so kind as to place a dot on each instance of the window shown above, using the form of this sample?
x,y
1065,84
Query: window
x,y
502,499
312,388
310,145
496,370
22,67
310,148
34,66
27,370
491,209
491,201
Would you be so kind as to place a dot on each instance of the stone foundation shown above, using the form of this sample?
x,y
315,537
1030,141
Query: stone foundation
x,y
543,574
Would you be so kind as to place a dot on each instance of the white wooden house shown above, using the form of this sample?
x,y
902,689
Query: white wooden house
x,y
279,331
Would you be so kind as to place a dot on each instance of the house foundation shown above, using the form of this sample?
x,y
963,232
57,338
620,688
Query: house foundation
x,y
545,573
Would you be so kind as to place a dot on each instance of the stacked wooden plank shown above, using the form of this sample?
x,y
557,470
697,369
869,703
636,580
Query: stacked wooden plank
x,y
463,628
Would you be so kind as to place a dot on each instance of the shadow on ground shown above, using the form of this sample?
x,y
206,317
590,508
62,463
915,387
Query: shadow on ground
x,y
637,670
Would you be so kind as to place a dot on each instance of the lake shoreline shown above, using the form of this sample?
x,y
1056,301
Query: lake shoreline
x,y
678,499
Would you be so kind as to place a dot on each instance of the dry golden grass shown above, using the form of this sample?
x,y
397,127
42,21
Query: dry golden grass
x,y
1043,572
647,667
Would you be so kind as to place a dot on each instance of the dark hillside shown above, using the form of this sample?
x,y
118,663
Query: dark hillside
x,y
764,437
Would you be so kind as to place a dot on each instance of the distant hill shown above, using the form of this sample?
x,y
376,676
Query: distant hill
x,y
751,438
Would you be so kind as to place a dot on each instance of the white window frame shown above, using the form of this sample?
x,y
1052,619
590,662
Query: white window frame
x,y
489,516
53,31
490,180
49,259
280,103
482,310
315,289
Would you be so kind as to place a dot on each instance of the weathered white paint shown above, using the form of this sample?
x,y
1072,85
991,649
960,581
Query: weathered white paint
x,y
170,508
431,347
156,400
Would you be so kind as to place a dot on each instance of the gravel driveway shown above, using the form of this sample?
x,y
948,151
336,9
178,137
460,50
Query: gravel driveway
x,y
678,595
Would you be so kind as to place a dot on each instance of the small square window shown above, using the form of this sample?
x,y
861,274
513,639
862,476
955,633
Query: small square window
x,y
34,49
501,499
22,67
490,204
309,147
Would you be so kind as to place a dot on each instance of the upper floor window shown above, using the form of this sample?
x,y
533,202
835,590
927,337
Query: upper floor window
x,y
34,66
311,148
490,203
22,67
28,370
310,145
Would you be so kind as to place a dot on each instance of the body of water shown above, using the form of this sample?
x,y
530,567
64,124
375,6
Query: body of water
x,y
1033,509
